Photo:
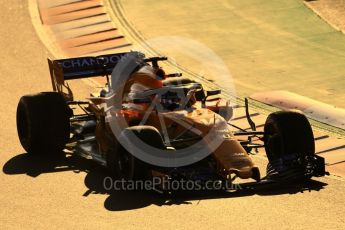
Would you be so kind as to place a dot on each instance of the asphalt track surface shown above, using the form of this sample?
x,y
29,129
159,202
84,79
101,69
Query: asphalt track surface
x,y
266,45
35,194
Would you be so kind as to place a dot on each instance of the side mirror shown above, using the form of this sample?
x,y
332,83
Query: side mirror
x,y
155,60
213,92
209,93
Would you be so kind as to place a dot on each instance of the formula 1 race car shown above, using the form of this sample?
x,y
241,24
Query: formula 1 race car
x,y
152,124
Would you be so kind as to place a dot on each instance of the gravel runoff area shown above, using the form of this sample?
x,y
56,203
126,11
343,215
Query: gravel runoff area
x,y
332,11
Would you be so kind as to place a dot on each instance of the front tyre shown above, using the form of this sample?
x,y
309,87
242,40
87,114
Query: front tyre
x,y
122,163
289,143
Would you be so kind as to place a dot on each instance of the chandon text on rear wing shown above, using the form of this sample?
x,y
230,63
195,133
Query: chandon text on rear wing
x,y
81,67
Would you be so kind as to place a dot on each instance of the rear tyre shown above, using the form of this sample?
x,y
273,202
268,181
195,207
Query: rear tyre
x,y
289,141
43,123
126,166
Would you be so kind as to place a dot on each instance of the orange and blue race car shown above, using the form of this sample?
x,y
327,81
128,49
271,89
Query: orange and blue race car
x,y
145,123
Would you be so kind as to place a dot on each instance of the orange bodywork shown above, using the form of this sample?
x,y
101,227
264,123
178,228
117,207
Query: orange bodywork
x,y
198,121
230,156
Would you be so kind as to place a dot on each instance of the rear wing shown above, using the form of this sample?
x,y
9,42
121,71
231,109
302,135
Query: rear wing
x,y
82,67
